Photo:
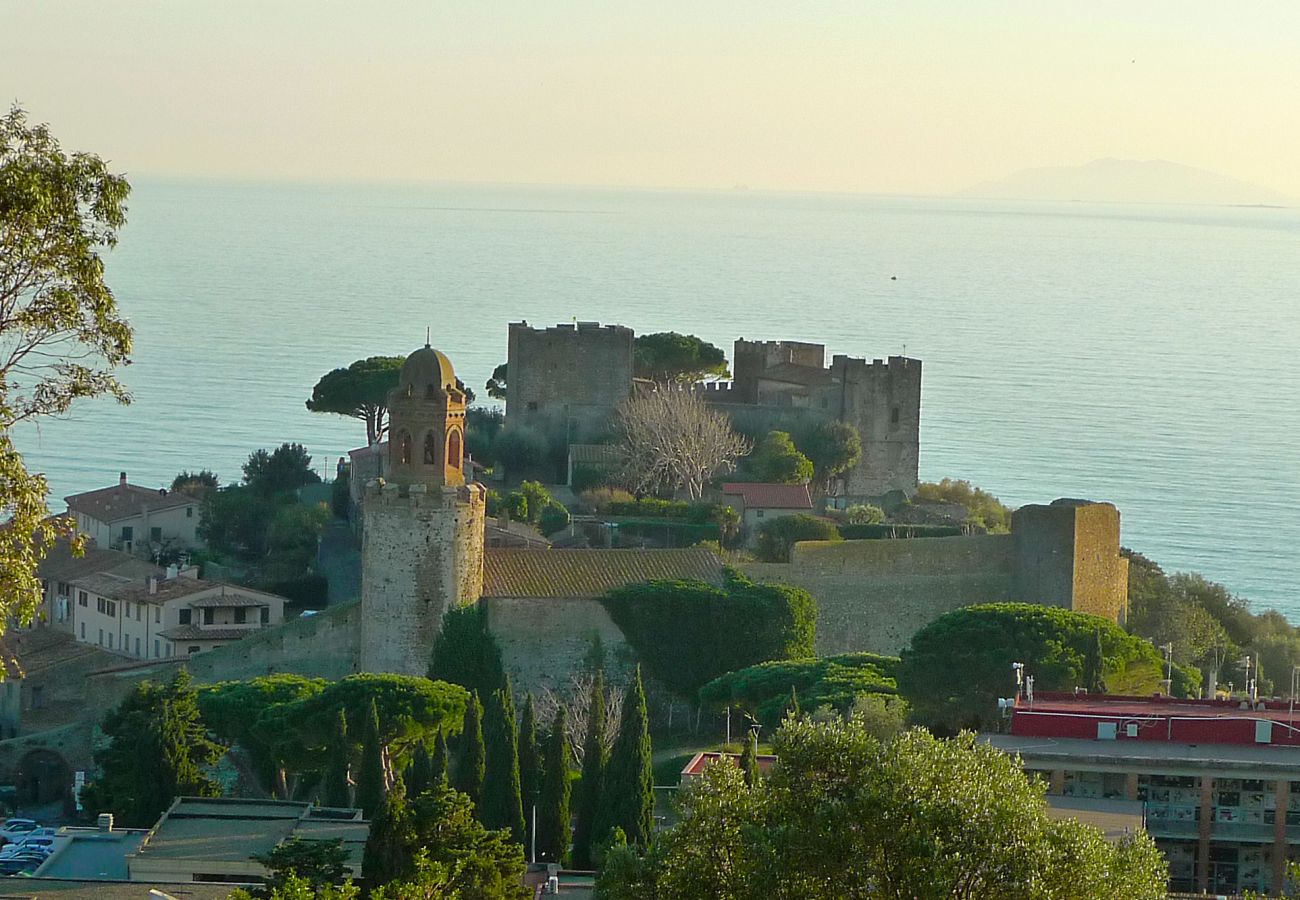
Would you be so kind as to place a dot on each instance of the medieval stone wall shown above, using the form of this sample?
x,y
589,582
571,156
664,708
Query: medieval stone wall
x,y
570,377
874,595
421,554
544,641
882,400
319,646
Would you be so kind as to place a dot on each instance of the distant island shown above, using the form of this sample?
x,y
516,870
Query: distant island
x,y
1128,181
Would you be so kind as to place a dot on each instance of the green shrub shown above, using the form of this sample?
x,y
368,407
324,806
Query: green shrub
x,y
686,633
982,508
777,536
586,477
521,450
864,514
537,497
835,681
553,518
466,653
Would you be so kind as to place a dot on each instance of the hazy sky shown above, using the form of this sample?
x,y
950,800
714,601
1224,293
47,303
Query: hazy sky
x,y
908,96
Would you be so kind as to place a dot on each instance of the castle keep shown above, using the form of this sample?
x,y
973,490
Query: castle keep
x,y
571,379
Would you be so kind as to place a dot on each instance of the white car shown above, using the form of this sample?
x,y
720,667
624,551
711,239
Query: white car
x,y
12,829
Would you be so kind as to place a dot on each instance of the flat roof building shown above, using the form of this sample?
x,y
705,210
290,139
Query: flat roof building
x,y
1219,779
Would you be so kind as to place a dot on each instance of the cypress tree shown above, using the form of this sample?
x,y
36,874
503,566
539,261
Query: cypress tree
x,y
749,760
386,855
553,804
501,806
418,773
336,774
438,764
469,764
593,772
530,763
371,783
627,795
1094,666
792,707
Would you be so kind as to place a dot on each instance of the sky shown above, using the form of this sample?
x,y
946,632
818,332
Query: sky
x,y
911,97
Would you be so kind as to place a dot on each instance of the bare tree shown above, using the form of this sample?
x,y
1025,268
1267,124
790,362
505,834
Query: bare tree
x,y
672,440
576,700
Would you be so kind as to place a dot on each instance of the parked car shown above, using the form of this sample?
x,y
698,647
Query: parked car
x,y
12,829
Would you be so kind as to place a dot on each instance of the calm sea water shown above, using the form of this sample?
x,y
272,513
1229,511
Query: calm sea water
x,y
1141,355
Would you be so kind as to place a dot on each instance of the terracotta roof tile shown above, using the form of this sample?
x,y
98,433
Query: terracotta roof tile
x,y
575,574
60,565
122,501
195,633
757,495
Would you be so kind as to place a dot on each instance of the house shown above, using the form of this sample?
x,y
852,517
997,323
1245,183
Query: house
x,y
758,502
122,604
134,519
1220,779
202,839
699,761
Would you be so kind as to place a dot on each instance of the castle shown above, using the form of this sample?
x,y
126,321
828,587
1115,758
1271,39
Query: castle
x,y
571,379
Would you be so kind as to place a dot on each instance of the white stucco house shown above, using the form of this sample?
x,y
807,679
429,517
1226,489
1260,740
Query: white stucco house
x,y
136,519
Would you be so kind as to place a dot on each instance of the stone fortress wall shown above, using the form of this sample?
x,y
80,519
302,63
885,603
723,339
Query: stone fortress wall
x,y
570,377
874,595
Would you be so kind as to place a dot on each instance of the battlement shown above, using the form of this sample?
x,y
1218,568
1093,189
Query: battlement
x,y
571,328
379,492
894,364
574,374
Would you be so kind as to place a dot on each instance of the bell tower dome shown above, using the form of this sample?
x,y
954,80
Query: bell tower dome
x,y
426,422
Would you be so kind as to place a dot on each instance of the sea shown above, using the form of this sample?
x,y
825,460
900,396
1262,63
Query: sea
x,y
1138,354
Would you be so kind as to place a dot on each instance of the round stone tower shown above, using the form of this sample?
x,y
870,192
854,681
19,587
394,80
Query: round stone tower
x,y
422,543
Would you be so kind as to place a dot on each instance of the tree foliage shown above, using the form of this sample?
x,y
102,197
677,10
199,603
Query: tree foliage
x,y
627,790
61,334
530,761
833,447
286,468
372,780
982,508
501,806
360,391
835,682
496,385
196,484
156,752
777,536
686,633
673,441
337,792
466,653
776,460
844,815
321,863
959,664
553,799
471,761
671,358
594,758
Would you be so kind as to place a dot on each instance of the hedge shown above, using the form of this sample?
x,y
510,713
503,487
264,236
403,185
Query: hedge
x,y
880,530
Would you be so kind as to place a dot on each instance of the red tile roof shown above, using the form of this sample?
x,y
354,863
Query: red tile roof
x,y
758,495
702,759
578,574
123,501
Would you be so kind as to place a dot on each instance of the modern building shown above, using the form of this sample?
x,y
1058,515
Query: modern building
x,y
202,839
757,502
138,520
1220,779
695,767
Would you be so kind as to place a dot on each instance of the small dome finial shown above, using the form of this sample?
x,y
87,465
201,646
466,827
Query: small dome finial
x,y
428,334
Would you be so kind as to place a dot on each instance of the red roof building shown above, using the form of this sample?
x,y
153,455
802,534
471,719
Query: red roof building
x,y
1220,779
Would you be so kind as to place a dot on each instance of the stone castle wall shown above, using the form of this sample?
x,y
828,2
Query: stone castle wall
x,y
321,646
874,595
580,373
544,641
882,400
422,553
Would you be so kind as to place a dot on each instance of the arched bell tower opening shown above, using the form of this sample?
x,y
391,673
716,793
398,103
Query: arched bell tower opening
x,y
426,412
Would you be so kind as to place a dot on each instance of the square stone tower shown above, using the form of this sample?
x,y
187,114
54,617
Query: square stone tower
x,y
422,546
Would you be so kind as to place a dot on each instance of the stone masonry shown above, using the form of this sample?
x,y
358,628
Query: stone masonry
x,y
569,379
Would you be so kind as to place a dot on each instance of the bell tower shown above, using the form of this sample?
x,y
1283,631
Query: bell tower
x,y
422,543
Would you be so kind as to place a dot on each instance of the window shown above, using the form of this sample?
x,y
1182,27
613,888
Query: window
x,y
111,608
193,650
128,609
266,615
63,588
240,615
128,533
110,640
100,604
137,611
184,616
758,513
169,648
404,449
82,599
207,615
453,449
189,512
157,615
156,654
155,535
83,631
137,646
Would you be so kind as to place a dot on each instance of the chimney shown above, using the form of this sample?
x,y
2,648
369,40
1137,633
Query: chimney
x,y
152,581
104,822
121,479
172,571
